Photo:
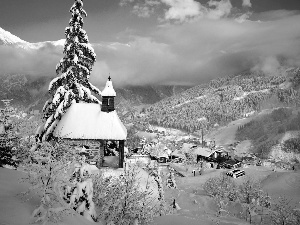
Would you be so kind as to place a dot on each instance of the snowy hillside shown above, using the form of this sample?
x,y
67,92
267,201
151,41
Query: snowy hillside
x,y
226,99
6,38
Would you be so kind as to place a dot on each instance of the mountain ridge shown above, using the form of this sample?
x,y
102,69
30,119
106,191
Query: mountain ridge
x,y
7,38
32,92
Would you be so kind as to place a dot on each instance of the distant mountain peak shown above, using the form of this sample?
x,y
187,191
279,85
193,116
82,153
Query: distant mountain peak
x,y
7,38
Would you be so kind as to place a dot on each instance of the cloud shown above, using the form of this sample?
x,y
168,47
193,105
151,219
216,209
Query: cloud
x,y
220,9
186,53
268,65
125,2
36,62
243,18
246,3
274,15
182,9
203,49
142,9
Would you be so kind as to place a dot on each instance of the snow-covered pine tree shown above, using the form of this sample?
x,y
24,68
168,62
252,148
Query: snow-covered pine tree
x,y
7,137
73,70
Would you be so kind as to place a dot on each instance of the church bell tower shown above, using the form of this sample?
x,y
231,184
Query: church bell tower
x,y
108,97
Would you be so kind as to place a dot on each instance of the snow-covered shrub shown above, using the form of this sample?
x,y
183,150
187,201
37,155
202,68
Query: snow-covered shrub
x,y
222,186
121,201
171,182
48,176
221,205
79,194
191,159
283,213
226,188
163,208
251,190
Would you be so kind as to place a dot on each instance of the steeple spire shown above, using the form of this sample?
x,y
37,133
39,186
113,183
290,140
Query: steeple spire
x,y
108,97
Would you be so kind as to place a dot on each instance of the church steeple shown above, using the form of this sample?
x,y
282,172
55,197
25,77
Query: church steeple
x,y
108,97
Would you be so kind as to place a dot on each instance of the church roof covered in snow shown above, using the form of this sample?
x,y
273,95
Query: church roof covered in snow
x,y
109,89
87,121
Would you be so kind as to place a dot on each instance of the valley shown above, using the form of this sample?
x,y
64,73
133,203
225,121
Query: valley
x,y
188,115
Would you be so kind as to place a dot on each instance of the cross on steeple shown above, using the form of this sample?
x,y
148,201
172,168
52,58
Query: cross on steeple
x,y
109,78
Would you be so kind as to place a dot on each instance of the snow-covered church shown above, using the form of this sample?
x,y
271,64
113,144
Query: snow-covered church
x,y
98,123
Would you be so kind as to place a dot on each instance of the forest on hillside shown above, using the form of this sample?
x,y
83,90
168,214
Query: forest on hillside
x,y
266,131
225,99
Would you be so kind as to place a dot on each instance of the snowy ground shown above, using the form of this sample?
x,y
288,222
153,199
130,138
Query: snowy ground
x,y
199,209
226,135
14,209
196,207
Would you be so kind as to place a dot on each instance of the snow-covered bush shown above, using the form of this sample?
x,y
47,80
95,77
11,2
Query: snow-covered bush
x,y
163,207
283,213
48,176
222,186
171,182
226,188
221,205
63,180
251,190
79,194
121,201
191,159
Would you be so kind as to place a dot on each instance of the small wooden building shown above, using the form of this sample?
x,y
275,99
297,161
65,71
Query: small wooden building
x,y
96,123
210,155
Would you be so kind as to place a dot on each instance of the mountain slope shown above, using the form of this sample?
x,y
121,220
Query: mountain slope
x,y
147,94
24,89
225,99
6,38
32,92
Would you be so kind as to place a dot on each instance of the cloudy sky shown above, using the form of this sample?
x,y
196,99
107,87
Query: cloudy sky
x,y
159,41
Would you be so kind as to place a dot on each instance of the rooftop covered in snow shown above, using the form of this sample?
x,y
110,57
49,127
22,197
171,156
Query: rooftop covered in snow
x,y
206,152
86,121
109,89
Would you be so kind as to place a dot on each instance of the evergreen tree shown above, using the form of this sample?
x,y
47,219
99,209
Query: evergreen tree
x,y
7,138
7,158
73,70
